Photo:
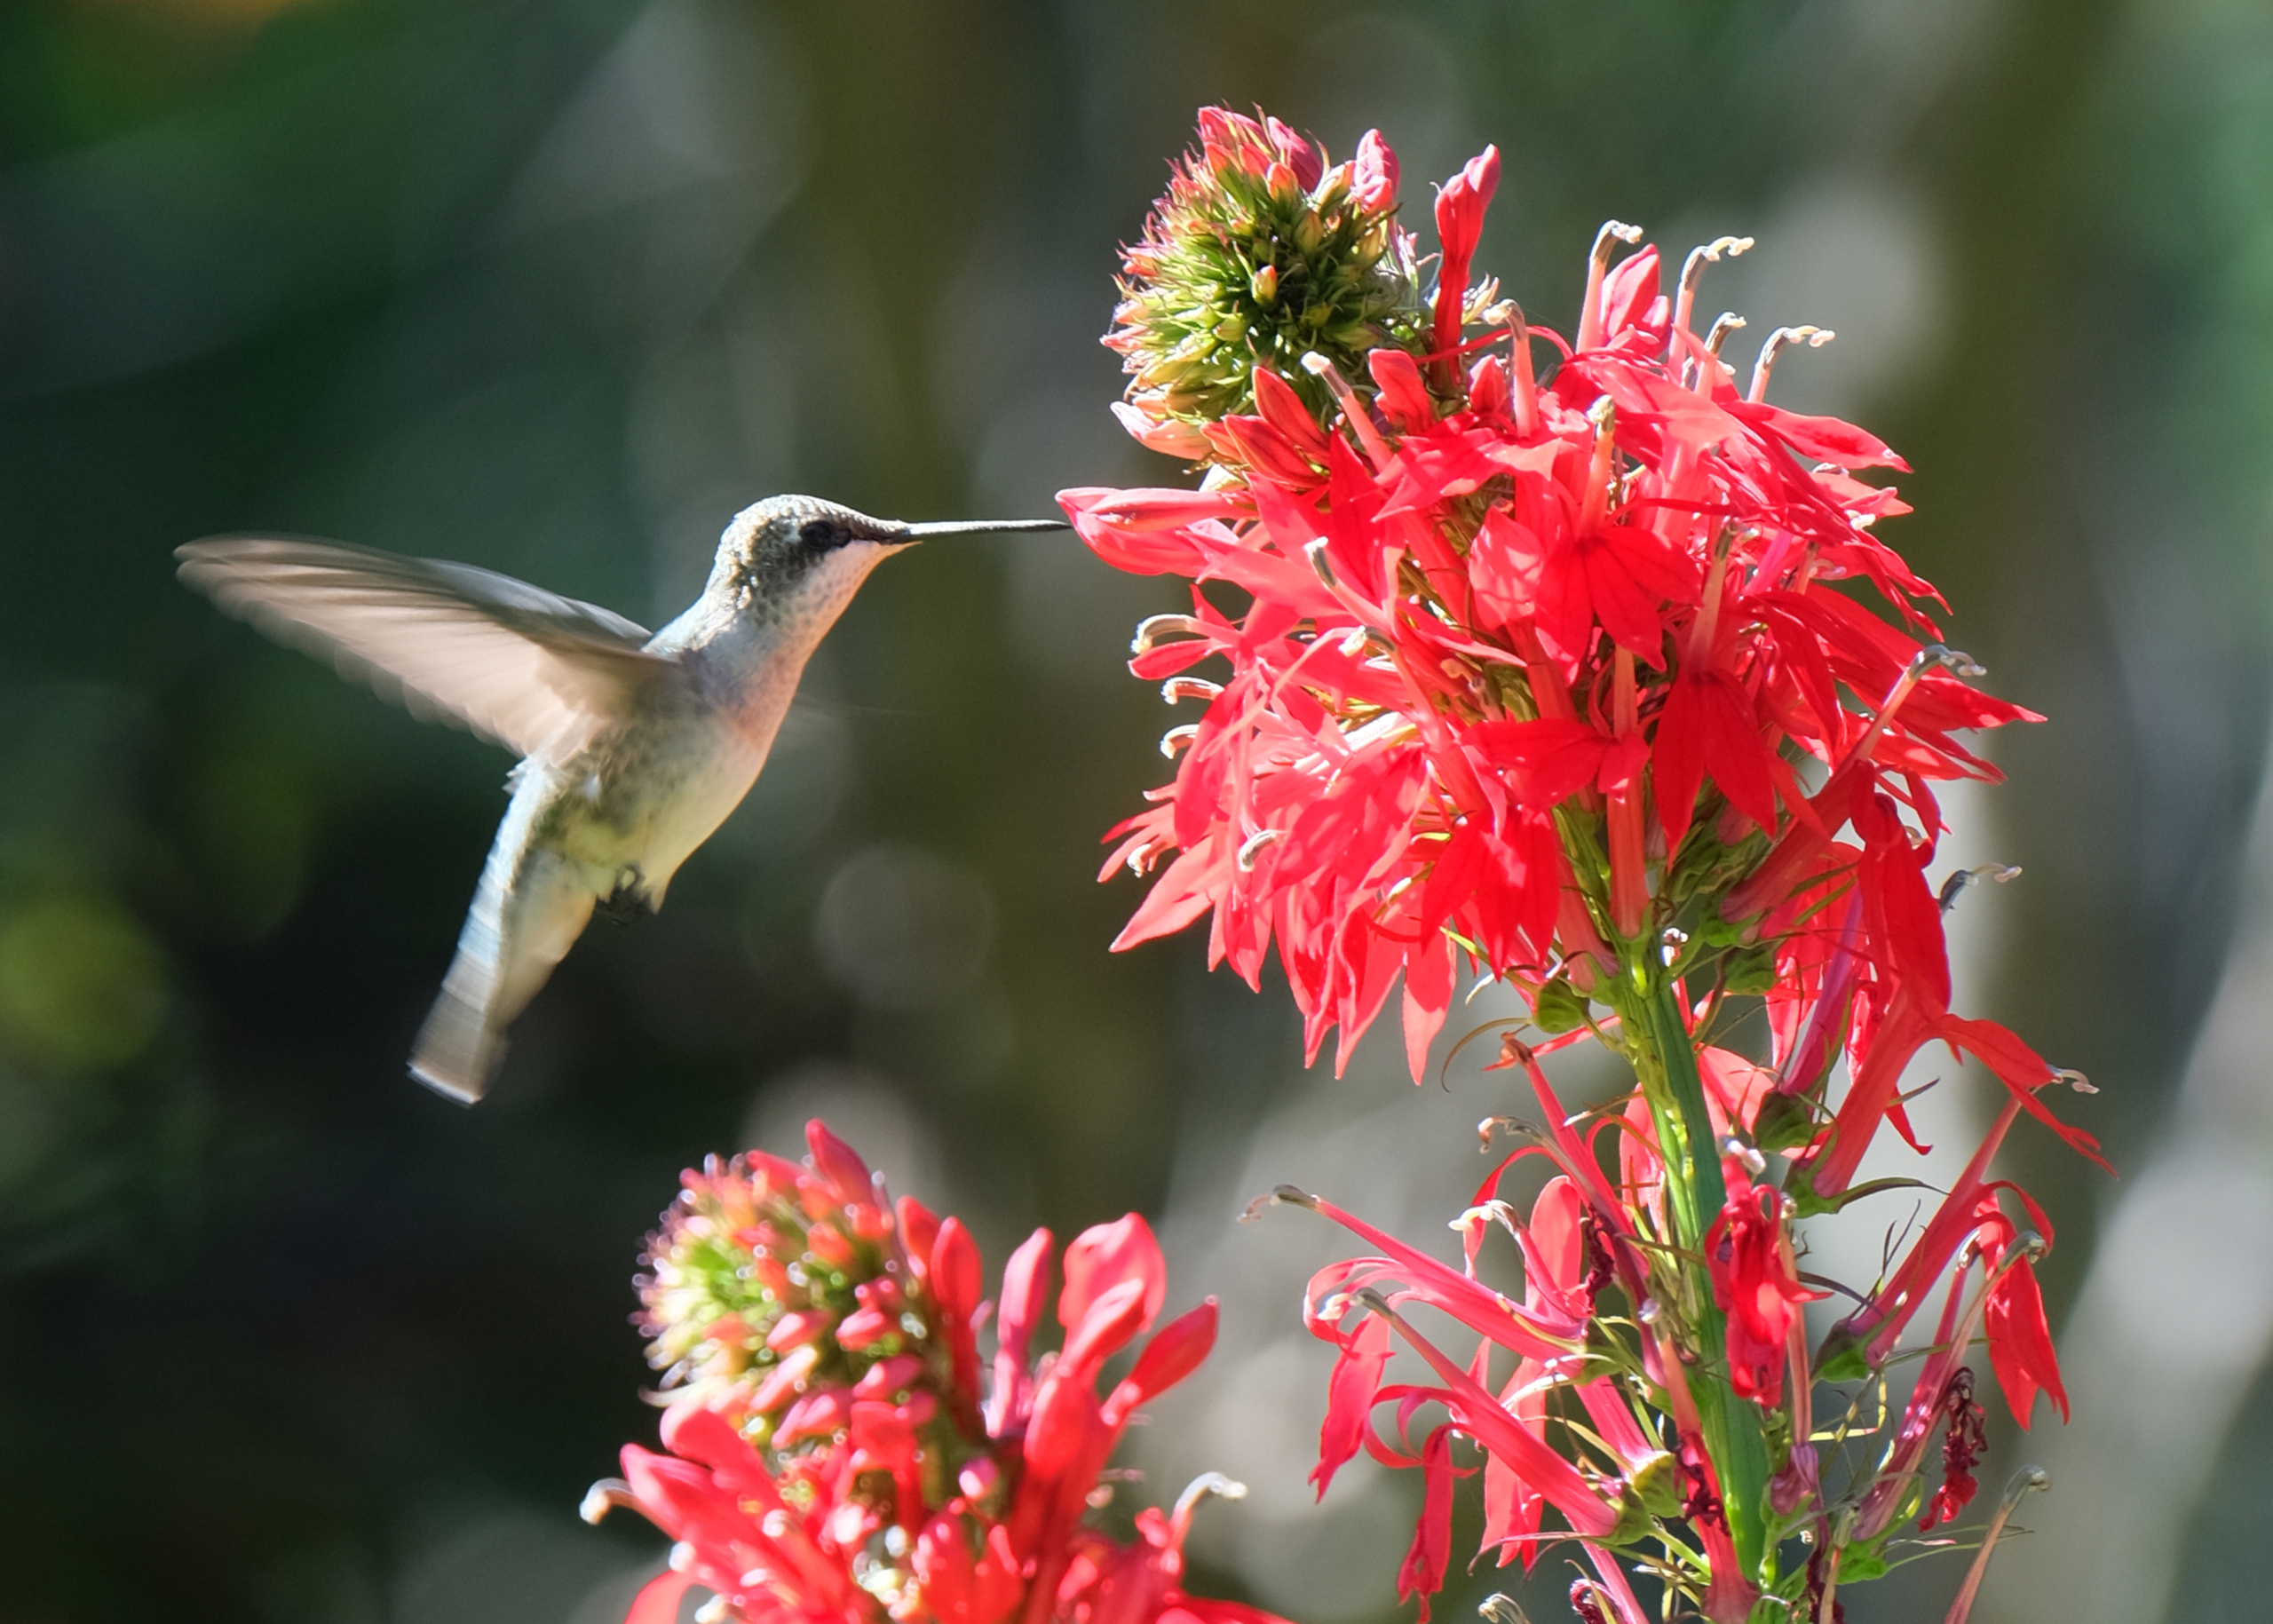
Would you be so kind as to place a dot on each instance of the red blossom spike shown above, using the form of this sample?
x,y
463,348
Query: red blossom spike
x,y
811,1433
1528,684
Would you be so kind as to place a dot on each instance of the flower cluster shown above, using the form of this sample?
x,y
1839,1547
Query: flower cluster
x,y
832,1458
1258,253
1568,675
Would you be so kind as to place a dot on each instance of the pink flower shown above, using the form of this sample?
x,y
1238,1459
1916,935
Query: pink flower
x,y
830,1458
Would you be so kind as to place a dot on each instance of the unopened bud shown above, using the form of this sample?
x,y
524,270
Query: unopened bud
x,y
1656,1484
1264,285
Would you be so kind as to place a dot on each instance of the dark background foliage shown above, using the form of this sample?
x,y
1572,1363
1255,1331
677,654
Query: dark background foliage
x,y
555,288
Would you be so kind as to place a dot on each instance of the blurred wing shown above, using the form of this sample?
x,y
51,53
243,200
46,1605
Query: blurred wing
x,y
536,673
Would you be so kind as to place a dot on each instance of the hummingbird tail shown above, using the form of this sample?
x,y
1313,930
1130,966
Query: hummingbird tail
x,y
530,909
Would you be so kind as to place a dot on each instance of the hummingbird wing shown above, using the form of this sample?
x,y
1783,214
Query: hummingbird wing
x,y
537,673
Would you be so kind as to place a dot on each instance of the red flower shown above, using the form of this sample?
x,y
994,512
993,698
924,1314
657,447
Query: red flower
x,y
1347,1306
1462,625
1505,679
830,1460
1756,1285
1965,1439
2020,1342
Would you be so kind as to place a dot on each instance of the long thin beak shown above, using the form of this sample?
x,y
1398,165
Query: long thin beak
x,y
981,526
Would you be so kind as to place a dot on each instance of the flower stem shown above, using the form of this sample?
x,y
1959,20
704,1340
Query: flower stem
x,y
1695,1193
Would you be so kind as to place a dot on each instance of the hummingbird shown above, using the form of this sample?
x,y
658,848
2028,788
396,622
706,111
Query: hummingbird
x,y
634,748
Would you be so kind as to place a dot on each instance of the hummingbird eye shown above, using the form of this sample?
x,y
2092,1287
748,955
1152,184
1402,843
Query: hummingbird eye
x,y
822,534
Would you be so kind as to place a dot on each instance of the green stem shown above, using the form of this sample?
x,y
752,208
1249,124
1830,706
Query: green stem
x,y
1695,1195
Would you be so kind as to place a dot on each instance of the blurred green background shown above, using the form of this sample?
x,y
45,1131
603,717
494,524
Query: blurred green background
x,y
554,289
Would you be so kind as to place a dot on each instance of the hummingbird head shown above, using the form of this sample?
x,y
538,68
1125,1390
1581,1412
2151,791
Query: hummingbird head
x,y
791,556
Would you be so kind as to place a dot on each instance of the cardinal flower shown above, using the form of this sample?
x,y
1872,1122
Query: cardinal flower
x,y
1576,665
1756,1285
829,1455
1454,631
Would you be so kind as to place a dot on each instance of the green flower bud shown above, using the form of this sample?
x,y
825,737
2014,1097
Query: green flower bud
x,y
1258,254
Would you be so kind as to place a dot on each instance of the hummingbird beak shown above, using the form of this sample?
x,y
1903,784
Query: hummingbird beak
x,y
977,527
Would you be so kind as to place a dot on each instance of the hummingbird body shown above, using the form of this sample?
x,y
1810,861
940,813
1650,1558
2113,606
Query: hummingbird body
x,y
633,748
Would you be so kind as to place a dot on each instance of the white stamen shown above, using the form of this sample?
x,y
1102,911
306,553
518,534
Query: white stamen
x,y
1152,627
1692,271
1598,262
1203,1486
1618,230
2075,1080
1489,1212
1251,849
1725,323
1173,742
605,1496
1189,687
1814,338
1737,1150
1955,661
1498,1609
1957,883
1353,409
